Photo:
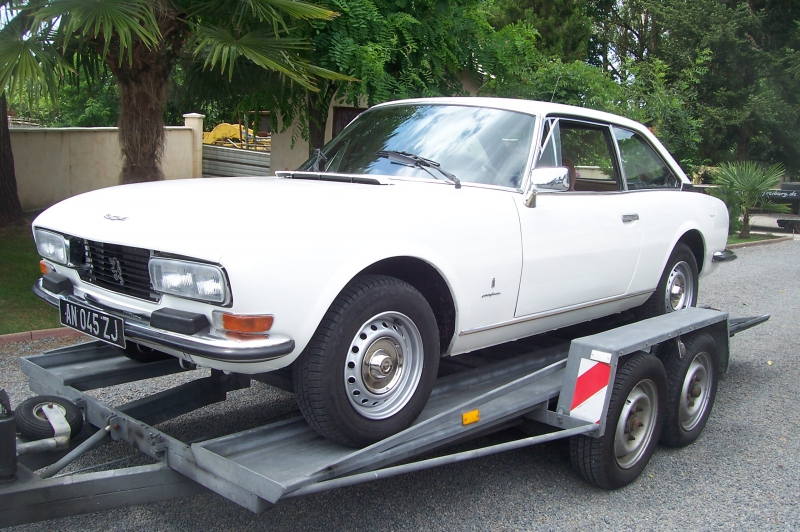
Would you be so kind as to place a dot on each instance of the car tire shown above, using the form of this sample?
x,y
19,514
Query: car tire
x,y
369,369
618,457
691,389
33,425
678,286
143,354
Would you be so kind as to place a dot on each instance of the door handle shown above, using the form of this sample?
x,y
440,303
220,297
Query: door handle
x,y
627,218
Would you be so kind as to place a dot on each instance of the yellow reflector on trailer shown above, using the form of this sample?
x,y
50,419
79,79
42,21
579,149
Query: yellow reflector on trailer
x,y
468,418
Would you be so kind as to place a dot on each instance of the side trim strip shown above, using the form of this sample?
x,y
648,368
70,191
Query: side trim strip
x,y
548,313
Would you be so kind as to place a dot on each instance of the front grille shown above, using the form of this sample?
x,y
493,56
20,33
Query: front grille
x,y
118,268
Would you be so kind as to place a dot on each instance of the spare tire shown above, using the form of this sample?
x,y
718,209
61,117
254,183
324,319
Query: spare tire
x,y
32,423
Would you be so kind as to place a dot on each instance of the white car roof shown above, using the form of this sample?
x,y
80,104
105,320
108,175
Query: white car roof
x,y
524,106
541,109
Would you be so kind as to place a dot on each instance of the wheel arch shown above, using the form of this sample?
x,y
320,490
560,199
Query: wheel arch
x,y
694,240
430,283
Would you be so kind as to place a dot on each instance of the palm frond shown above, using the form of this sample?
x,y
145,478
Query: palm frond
x,y
747,182
221,47
125,20
29,61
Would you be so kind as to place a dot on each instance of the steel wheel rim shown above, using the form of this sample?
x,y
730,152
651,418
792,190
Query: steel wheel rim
x,y
680,288
695,391
636,424
384,365
39,413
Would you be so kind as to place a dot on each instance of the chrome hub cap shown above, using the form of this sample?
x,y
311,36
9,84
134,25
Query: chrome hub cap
x,y
680,289
383,365
695,391
636,424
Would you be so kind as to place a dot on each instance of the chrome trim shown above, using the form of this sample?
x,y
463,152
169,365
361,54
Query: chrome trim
x,y
548,313
206,344
724,256
627,218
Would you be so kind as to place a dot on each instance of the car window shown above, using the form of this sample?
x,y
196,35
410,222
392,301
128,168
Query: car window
x,y
643,167
586,150
478,145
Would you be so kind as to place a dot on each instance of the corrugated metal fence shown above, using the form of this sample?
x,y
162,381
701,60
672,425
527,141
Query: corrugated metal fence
x,y
219,161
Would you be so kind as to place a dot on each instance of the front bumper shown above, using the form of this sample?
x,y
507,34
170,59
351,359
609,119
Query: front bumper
x,y
725,255
208,343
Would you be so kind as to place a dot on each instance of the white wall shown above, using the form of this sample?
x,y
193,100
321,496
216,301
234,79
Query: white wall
x,y
53,164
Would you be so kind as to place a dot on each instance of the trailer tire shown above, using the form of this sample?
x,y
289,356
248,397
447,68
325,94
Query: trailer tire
x,y
640,383
677,289
32,424
370,367
691,389
143,354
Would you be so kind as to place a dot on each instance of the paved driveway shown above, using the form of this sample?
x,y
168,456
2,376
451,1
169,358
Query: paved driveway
x,y
743,472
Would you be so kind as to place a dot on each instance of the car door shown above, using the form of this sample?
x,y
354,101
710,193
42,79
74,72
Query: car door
x,y
582,245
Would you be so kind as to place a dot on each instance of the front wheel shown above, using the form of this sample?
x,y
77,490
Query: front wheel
x,y
633,425
678,286
370,367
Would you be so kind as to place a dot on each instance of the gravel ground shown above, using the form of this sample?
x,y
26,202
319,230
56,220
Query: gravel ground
x,y
743,472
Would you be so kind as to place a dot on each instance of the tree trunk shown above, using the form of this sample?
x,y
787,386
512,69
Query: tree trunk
x,y
143,82
743,143
317,121
745,232
142,94
318,105
10,209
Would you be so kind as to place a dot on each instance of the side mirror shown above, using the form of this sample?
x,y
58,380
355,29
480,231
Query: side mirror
x,y
556,179
551,178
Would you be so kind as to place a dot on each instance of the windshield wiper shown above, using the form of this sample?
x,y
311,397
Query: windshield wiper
x,y
410,159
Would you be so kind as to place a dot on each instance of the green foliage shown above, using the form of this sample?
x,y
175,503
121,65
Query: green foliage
x,y
744,184
564,27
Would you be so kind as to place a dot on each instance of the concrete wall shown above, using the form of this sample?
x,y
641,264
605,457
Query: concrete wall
x,y
53,164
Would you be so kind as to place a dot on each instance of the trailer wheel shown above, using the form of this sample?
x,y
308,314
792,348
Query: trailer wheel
x,y
32,423
678,286
691,389
370,367
633,426
141,353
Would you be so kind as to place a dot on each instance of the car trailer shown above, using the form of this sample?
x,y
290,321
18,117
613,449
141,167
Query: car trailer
x,y
607,389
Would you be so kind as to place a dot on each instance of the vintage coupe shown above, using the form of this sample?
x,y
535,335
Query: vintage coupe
x,y
427,228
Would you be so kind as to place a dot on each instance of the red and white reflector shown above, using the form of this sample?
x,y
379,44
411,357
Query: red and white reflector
x,y
590,390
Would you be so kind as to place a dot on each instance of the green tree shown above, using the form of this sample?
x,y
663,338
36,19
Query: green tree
x,y
744,185
139,42
393,49
564,27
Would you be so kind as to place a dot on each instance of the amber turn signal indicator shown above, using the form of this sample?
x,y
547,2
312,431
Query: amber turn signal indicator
x,y
468,418
44,267
247,324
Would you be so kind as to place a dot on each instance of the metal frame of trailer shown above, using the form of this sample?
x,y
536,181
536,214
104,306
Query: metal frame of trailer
x,y
515,383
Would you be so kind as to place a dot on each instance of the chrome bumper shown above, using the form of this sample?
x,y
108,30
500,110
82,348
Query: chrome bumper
x,y
209,343
724,256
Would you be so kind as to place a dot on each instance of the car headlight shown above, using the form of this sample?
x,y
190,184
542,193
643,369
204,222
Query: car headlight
x,y
191,280
51,246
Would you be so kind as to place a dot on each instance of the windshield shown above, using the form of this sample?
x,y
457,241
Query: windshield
x,y
475,144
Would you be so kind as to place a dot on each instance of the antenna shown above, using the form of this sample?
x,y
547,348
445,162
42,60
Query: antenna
x,y
554,89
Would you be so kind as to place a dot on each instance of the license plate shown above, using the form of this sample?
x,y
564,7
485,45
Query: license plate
x,y
96,324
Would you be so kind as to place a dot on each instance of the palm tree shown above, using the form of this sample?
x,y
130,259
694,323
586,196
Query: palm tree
x,y
745,183
140,41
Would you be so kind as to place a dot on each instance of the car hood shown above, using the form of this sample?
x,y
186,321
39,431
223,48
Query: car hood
x,y
203,218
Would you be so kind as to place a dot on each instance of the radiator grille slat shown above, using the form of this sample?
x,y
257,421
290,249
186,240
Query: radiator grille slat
x,y
121,269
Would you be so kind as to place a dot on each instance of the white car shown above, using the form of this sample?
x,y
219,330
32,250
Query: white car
x,y
427,228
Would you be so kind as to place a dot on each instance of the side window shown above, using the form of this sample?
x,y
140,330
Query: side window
x,y
587,150
644,168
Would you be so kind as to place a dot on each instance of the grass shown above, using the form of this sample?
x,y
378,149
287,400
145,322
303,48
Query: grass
x,y
20,310
734,239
